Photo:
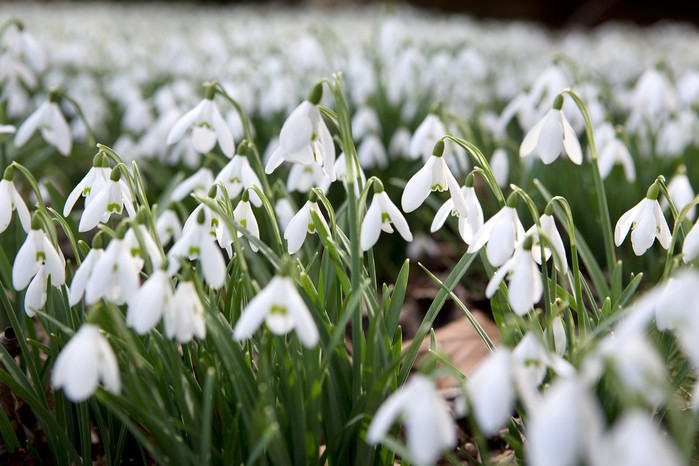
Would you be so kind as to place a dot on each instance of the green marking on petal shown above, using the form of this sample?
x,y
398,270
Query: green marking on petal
x,y
244,223
311,228
40,256
194,251
437,187
204,124
86,190
114,207
385,218
281,310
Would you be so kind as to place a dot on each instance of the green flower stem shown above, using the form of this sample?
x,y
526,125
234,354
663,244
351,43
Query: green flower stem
x,y
247,132
480,159
607,231
356,255
577,283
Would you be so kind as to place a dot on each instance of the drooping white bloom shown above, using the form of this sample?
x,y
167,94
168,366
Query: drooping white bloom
x,y
612,150
82,275
426,136
635,440
86,360
244,215
560,341
36,260
690,247
147,306
566,426
168,226
285,212
379,216
525,287
11,200
302,224
143,247
365,122
199,183
552,240
435,175
428,422
238,175
637,364
93,182
372,153
501,233
7,129
209,127
198,243
400,143
491,391
470,223
114,275
217,227
283,310
184,318
302,178
53,126
552,135
305,139
500,165
114,196
646,222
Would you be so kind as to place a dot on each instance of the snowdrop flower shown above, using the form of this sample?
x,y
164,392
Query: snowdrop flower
x,y
400,142
680,190
11,200
285,212
551,136
52,124
168,226
635,440
208,125
429,425
426,136
142,245
115,275
499,234
217,227
652,98
238,175
197,243
302,224
647,223
199,183
560,341
524,279
246,218
690,247
553,240
86,360
371,153
114,196
304,137
365,123
282,308
637,364
184,318
304,177
147,306
84,271
470,223
565,427
500,166
612,150
36,261
91,184
379,216
491,392
433,176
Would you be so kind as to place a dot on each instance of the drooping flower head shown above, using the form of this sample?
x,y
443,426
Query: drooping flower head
x,y
304,138
49,120
435,175
11,200
380,215
280,305
302,223
91,184
551,136
208,127
646,222
114,196
86,360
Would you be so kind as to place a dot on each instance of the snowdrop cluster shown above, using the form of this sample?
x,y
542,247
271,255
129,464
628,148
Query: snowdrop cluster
x,y
218,209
